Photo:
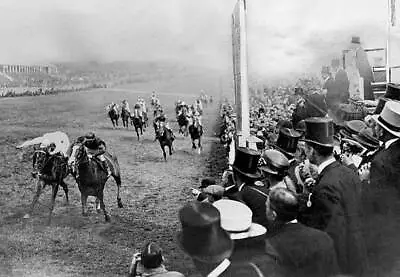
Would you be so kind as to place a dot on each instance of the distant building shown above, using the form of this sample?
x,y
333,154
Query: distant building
x,y
15,69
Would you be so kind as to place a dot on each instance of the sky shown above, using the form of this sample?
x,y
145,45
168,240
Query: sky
x,y
284,37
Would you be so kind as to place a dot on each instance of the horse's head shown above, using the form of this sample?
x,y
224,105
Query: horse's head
x,y
39,160
78,154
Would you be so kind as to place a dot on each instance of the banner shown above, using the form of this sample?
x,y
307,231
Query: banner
x,y
239,54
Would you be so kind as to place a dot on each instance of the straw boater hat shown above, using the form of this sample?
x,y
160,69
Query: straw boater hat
x,y
389,118
236,218
367,139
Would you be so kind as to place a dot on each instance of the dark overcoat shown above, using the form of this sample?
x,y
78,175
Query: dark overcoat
x,y
336,210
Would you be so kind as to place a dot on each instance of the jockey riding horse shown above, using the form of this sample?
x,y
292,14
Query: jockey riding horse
x,y
96,148
161,121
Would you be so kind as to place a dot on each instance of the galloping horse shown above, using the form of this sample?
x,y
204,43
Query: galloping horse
x,y
49,170
125,115
137,122
165,138
196,131
183,122
93,177
113,114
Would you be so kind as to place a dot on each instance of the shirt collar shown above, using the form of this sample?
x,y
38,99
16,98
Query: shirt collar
x,y
324,164
390,142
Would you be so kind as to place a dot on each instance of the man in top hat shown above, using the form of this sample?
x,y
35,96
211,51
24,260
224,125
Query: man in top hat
x,y
287,143
301,250
333,205
248,189
211,247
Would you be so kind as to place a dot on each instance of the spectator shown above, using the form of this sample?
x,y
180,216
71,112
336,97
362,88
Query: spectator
x,y
150,263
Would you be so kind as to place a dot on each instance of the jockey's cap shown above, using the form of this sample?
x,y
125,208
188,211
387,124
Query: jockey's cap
x,y
45,143
90,135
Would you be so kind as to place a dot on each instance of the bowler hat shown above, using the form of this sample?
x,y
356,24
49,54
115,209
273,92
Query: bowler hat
x,y
355,39
389,118
274,162
287,141
319,130
202,236
246,161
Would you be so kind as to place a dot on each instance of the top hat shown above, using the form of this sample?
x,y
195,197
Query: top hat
x,y
392,91
246,161
274,162
319,130
236,218
287,141
202,236
389,118
356,40
366,138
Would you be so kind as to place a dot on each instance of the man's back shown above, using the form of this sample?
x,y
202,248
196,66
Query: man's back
x,y
304,251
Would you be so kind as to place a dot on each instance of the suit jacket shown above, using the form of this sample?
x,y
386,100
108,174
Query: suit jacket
x,y
342,84
303,251
336,210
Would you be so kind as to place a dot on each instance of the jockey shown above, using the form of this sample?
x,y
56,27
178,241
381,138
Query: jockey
x,y
198,106
96,147
161,121
125,106
197,116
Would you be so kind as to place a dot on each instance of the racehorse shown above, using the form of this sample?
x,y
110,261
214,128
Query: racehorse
x,y
125,115
137,122
93,177
113,114
49,170
183,123
165,138
196,131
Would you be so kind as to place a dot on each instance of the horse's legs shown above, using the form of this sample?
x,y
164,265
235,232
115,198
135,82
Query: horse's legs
x,y
65,188
117,179
54,189
84,202
103,207
170,149
164,154
141,130
193,144
137,132
112,121
35,197
97,204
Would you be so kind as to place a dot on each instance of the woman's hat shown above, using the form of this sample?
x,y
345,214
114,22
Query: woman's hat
x,y
367,139
273,162
236,218
246,162
202,236
287,141
389,118
319,130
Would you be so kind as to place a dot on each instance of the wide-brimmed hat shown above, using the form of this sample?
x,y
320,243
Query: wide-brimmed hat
x,y
389,118
367,139
319,130
246,162
274,162
202,236
287,141
236,218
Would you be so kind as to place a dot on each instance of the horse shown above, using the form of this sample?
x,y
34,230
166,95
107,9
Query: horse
x,y
165,138
113,114
137,122
196,131
125,115
145,120
93,177
49,170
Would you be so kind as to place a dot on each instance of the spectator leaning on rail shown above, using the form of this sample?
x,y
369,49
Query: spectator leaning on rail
x,y
150,263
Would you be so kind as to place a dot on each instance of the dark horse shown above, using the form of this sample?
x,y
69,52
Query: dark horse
x,y
183,123
137,122
196,131
125,115
93,177
114,115
49,170
165,138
